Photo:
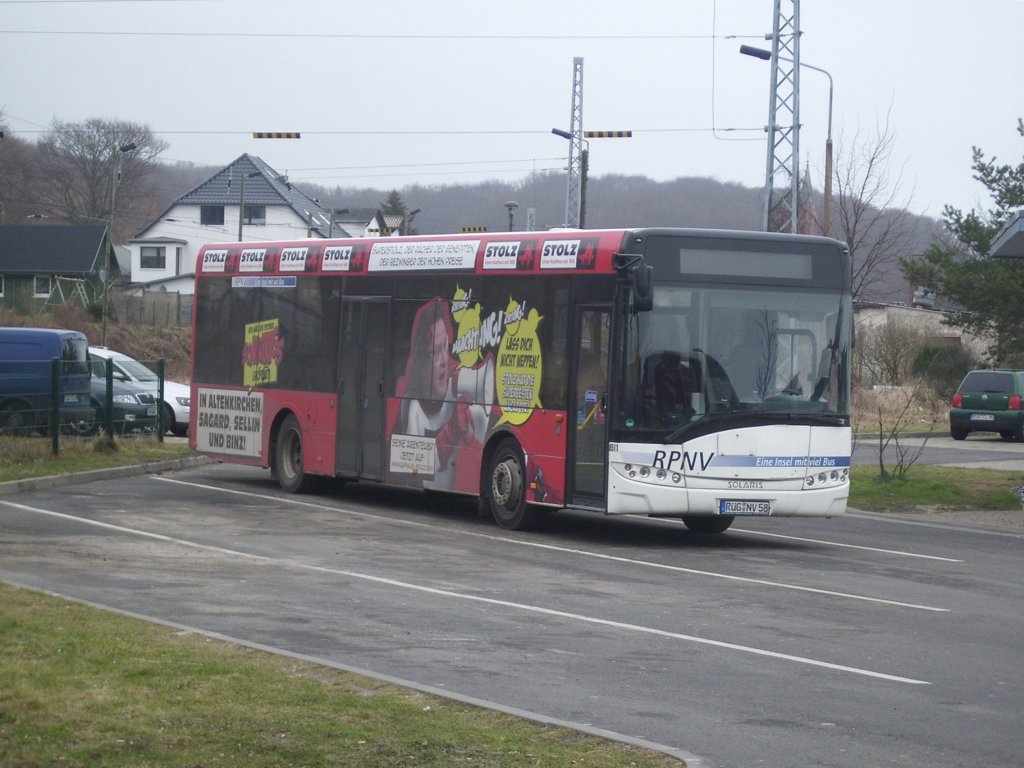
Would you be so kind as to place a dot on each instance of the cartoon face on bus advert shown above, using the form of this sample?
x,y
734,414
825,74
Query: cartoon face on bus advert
x,y
466,373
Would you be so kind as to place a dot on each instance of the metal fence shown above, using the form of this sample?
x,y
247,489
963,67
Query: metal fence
x,y
153,308
36,401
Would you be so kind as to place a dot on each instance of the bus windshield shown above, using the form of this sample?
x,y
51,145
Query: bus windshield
x,y
718,355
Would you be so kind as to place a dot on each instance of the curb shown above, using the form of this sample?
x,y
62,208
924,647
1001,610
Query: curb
x,y
128,470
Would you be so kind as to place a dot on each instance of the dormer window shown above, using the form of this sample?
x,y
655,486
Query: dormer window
x,y
212,215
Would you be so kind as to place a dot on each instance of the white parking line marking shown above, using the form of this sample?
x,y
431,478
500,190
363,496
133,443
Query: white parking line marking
x,y
569,550
897,552
476,598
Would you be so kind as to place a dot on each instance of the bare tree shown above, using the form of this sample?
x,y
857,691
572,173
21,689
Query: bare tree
x,y
885,353
93,170
869,212
891,431
17,178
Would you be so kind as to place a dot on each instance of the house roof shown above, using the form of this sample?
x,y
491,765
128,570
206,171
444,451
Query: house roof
x,y
263,186
51,249
1009,243
360,216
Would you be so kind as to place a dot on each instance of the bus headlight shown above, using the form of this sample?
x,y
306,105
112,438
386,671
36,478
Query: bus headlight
x,y
832,478
649,474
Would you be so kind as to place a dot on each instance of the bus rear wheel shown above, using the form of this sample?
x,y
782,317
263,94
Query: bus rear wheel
x,y
506,491
708,523
288,467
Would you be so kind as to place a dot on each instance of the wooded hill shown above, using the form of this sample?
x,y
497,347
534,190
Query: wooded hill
x,y
611,201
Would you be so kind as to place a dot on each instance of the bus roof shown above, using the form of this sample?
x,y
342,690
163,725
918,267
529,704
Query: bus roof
x,y
565,251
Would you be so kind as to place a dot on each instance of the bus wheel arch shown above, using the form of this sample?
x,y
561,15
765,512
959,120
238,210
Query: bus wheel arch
x,y
504,486
286,455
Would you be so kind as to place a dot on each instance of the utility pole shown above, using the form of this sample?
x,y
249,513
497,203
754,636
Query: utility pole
x,y
579,152
574,187
781,200
105,272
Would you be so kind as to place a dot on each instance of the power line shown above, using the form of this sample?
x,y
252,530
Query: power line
x,y
388,132
371,36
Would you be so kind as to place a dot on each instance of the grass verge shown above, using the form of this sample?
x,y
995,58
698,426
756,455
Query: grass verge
x,y
85,687
932,486
24,457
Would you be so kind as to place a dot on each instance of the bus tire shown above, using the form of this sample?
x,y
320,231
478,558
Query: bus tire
x,y
708,523
288,467
506,489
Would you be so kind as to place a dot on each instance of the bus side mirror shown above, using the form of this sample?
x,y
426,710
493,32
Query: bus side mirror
x,y
641,280
643,287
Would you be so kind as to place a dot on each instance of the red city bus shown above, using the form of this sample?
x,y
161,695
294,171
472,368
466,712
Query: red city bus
x,y
666,372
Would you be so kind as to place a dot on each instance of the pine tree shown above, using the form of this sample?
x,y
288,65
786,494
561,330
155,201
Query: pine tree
x,y
990,292
394,205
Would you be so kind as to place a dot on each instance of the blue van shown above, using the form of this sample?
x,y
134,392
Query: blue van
x,y
26,378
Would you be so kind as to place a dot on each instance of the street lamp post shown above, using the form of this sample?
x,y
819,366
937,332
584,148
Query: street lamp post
x,y
407,220
334,212
584,166
105,274
511,205
761,53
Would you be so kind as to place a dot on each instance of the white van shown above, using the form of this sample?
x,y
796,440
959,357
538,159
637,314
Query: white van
x,y
177,397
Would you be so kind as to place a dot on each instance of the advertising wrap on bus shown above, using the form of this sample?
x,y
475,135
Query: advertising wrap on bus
x,y
677,373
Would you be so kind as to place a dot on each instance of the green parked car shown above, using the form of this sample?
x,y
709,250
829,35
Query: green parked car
x,y
989,401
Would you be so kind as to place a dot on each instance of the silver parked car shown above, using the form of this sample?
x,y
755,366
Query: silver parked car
x,y
177,397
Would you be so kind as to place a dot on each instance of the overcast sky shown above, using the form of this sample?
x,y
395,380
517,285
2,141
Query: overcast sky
x,y
398,92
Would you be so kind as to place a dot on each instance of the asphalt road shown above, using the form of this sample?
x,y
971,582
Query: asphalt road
x,y
859,641
982,450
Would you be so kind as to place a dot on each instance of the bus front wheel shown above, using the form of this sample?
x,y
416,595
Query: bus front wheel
x,y
288,467
506,491
708,523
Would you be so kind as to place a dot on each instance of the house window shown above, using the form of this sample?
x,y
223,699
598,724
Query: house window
x,y
255,214
43,286
153,257
211,214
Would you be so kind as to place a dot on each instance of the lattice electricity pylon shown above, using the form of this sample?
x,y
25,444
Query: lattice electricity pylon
x,y
782,176
574,186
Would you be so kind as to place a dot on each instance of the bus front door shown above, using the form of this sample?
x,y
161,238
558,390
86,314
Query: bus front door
x,y
590,397
360,444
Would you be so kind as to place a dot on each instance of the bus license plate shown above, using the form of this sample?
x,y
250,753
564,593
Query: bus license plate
x,y
738,507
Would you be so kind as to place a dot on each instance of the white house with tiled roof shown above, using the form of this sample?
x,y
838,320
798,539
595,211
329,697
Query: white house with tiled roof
x,y
163,255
